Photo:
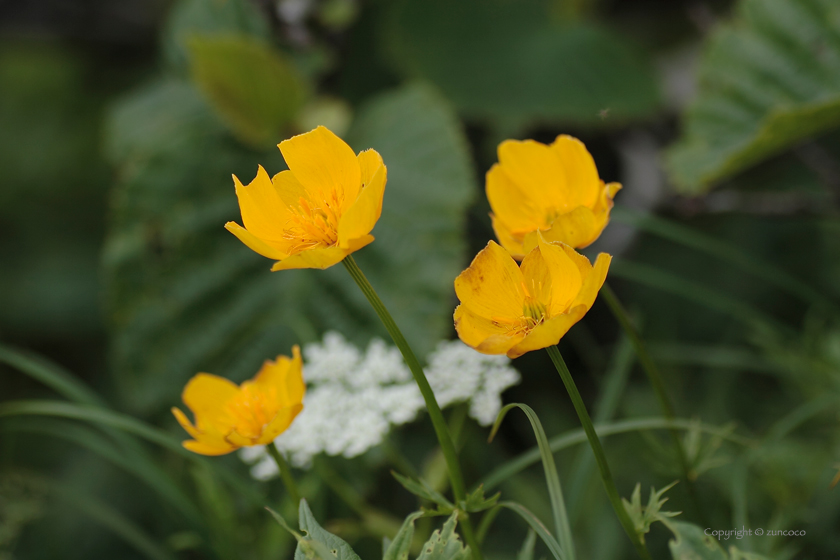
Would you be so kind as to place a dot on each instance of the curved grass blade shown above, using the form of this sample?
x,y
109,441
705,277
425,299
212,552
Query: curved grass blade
x,y
486,523
538,528
125,423
577,436
726,252
552,479
527,550
93,441
50,374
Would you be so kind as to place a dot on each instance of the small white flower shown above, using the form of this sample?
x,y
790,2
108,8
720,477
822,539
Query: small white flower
x,y
353,399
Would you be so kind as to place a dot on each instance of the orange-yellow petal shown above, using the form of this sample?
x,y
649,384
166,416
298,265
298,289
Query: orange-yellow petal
x,y
508,240
511,204
263,213
206,448
322,161
548,333
288,188
577,228
492,285
185,422
279,424
483,334
593,282
286,374
369,163
363,214
536,168
254,243
579,169
320,258
206,396
565,275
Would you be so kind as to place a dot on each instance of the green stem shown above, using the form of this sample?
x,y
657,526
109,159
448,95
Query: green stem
x,y
441,430
658,385
285,473
600,457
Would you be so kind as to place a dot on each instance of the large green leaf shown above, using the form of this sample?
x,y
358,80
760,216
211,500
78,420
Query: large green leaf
x,y
768,79
693,543
252,86
337,547
185,296
509,62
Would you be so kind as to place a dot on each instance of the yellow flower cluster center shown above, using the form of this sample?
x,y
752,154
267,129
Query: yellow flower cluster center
x,y
252,409
314,226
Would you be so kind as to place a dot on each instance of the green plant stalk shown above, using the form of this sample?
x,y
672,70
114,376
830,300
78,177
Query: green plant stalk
x,y
655,379
447,446
285,473
600,457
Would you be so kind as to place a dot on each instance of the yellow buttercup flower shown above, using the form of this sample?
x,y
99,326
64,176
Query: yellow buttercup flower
x,y
511,309
320,210
552,189
230,416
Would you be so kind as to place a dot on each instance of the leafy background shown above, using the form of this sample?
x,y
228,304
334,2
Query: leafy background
x,y
121,125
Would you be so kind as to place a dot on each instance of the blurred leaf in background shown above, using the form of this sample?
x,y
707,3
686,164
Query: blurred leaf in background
x,y
768,79
509,63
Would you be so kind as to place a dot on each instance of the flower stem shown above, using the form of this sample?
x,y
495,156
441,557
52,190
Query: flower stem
x,y
456,479
285,473
600,458
655,379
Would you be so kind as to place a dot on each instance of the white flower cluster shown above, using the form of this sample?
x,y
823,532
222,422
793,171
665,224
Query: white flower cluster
x,y
353,398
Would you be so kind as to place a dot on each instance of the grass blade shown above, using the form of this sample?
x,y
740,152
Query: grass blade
x,y
538,527
552,478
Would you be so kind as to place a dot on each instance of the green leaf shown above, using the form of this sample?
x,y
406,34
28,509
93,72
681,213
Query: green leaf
x,y
644,516
210,17
399,548
527,550
422,490
326,546
562,527
185,296
476,501
253,87
768,79
508,61
538,527
691,543
444,544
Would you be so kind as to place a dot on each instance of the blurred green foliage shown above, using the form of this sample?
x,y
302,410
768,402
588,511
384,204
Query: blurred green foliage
x,y
117,185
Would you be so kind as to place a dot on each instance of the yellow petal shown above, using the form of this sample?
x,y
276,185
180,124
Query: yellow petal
x,y
536,168
512,243
286,374
185,422
237,440
369,163
322,161
279,424
483,334
263,213
512,205
363,214
593,282
206,396
577,228
548,333
255,244
320,258
288,188
564,272
205,448
580,171
492,285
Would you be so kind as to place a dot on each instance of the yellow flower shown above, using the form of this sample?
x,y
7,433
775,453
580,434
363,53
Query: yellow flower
x,y
511,309
553,189
230,416
319,211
